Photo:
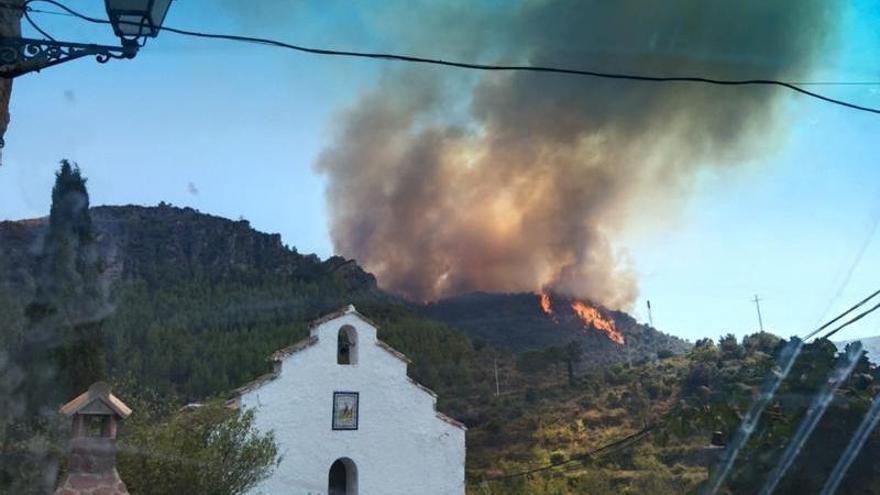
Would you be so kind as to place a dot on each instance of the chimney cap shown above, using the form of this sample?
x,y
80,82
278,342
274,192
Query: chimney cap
x,y
97,400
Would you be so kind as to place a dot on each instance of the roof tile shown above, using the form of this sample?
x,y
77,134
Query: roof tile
x,y
98,391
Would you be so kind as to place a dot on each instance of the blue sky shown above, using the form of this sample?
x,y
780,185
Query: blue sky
x,y
234,130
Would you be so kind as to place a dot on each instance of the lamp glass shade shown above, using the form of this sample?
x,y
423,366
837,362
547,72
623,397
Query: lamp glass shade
x,y
132,19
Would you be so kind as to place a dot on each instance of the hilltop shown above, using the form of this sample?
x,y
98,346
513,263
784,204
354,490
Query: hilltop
x,y
159,251
196,303
165,243
517,322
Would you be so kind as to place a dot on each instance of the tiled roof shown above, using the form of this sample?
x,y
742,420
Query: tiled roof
x,y
293,348
312,340
275,356
254,384
453,422
394,352
98,391
350,309
331,316
424,388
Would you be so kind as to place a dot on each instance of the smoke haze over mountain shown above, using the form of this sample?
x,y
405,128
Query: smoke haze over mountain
x,y
443,181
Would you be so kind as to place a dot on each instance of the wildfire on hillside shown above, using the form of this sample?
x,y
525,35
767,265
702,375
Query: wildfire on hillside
x,y
545,303
590,316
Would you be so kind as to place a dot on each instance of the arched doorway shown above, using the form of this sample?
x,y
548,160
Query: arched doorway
x,y
343,477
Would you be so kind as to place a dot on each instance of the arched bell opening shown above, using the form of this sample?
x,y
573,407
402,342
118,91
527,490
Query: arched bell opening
x,y
346,346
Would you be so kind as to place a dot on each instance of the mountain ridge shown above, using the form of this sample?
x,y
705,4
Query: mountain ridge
x,y
164,245
517,322
193,244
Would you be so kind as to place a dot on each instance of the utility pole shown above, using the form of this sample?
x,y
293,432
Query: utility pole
x,y
497,388
650,316
757,301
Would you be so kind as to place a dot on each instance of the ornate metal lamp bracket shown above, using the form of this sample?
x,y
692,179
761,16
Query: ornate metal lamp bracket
x,y
20,56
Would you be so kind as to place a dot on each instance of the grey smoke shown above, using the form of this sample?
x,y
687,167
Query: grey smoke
x,y
442,181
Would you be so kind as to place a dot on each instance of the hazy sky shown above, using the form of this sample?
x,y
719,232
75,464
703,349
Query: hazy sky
x,y
235,130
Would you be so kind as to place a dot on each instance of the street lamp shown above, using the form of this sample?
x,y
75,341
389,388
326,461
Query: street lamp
x,y
133,21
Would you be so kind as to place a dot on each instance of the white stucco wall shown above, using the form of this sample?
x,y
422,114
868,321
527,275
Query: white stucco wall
x,y
401,446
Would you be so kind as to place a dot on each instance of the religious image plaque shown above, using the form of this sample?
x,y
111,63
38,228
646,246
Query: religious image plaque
x,y
345,410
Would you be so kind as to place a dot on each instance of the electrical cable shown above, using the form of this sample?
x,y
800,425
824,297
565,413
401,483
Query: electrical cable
x,y
528,68
784,363
860,253
489,67
612,447
841,315
27,16
853,320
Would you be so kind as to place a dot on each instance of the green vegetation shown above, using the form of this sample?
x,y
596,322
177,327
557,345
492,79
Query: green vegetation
x,y
718,389
517,322
545,421
184,307
211,450
58,351
63,333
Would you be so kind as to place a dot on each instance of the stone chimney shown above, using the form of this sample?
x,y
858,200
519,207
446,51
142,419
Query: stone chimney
x,y
91,461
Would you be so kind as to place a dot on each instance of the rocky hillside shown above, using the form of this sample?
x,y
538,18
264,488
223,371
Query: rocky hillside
x,y
185,282
198,302
165,243
517,322
194,302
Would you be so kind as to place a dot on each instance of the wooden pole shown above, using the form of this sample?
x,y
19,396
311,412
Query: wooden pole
x,y
757,301
497,387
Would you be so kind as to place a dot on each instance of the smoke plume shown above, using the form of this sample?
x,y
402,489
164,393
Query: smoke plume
x,y
442,181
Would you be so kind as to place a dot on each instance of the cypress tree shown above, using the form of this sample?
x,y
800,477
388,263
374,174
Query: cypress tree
x,y
61,351
70,289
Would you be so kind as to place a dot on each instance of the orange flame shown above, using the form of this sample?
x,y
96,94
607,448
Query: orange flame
x,y
591,317
545,303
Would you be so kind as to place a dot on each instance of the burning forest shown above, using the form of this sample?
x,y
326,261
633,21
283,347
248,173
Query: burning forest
x,y
589,315
447,182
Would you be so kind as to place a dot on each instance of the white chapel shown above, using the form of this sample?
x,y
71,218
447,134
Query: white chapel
x,y
348,420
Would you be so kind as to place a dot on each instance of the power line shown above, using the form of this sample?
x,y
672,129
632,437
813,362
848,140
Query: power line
x,y
872,230
836,83
613,446
784,363
793,86
850,322
841,315
814,413
856,443
794,348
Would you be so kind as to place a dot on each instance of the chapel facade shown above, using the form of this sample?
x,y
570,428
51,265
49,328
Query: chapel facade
x,y
349,420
